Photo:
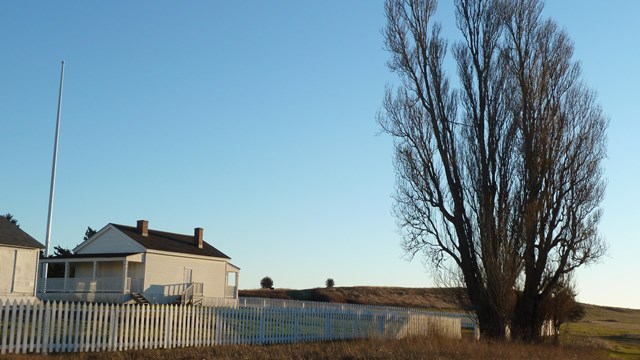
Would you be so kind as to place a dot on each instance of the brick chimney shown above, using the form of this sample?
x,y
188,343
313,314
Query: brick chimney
x,y
197,237
143,227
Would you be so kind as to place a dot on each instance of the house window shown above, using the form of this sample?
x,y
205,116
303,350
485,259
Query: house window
x,y
231,279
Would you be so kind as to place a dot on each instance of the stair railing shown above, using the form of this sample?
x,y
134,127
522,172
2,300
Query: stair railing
x,y
192,294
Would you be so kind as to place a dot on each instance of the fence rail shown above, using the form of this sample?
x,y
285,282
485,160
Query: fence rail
x,y
75,327
468,321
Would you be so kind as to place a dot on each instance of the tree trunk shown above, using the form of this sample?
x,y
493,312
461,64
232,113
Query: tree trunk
x,y
526,323
492,325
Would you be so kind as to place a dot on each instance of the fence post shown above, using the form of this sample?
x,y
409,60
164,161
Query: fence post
x,y
261,337
296,329
47,322
4,309
328,331
31,323
381,321
14,312
19,332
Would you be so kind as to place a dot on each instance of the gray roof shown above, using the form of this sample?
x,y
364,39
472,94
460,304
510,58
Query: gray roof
x,y
12,235
166,241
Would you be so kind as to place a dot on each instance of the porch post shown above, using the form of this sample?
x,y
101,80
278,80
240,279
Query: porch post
x,y
93,278
226,279
124,276
237,283
66,275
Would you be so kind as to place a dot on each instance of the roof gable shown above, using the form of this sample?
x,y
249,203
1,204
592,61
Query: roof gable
x,y
12,235
109,240
166,241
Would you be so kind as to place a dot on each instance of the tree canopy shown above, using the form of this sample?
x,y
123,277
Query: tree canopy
x,y
266,283
89,233
499,173
11,219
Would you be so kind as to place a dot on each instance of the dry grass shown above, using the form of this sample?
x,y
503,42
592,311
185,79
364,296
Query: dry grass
x,y
614,330
425,298
410,348
602,333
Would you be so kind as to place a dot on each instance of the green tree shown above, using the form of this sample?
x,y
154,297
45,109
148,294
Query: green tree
x,y
89,233
500,180
11,219
329,283
266,283
57,270
59,251
562,307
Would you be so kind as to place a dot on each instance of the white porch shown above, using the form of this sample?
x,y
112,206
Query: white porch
x,y
100,273
232,280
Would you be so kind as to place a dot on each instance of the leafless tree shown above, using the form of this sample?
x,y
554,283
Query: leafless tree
x,y
501,177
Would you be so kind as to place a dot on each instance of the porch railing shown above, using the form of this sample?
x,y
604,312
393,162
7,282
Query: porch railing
x,y
231,291
84,284
192,294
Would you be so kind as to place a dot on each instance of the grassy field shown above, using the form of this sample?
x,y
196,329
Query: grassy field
x,y
410,348
613,330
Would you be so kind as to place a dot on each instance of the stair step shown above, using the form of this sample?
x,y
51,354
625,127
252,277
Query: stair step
x,y
139,299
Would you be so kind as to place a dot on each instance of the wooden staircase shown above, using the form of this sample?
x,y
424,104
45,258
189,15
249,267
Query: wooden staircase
x,y
139,299
192,295
189,301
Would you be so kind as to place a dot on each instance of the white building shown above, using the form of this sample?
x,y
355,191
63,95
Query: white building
x,y
19,254
122,263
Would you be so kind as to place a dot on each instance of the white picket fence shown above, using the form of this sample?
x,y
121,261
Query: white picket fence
x,y
468,321
80,327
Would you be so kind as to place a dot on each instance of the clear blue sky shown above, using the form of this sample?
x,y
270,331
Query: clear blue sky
x,y
256,121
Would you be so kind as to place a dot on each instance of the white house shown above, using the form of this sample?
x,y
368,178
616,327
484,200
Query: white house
x,y
122,263
19,254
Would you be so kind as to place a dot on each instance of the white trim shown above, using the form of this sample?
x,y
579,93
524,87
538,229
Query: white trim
x,y
185,255
35,280
93,238
132,258
20,247
135,246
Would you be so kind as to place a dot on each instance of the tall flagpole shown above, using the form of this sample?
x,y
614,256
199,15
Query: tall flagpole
x,y
53,171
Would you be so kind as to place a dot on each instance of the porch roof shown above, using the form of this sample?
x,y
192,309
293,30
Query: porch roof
x,y
133,257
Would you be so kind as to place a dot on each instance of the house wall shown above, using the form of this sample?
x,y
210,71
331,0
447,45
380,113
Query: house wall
x,y
18,268
109,269
84,270
111,240
135,270
164,274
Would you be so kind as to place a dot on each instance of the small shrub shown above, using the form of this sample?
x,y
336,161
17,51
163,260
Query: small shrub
x,y
577,312
266,283
329,283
